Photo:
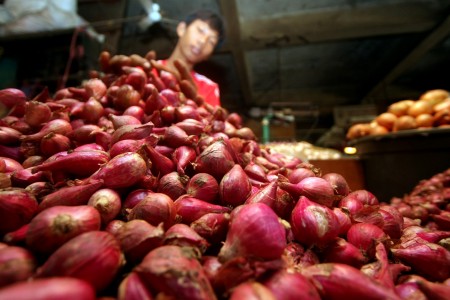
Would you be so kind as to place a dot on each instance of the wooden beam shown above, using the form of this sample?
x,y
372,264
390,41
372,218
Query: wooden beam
x,y
429,42
233,39
336,23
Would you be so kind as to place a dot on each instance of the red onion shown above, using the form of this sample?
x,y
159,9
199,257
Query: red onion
x,y
135,111
211,266
126,96
132,132
186,112
392,221
92,111
121,120
183,157
137,238
16,264
11,152
175,137
53,143
40,189
338,183
70,195
16,237
95,88
291,286
50,289
215,160
114,226
121,171
341,251
56,126
235,119
191,126
56,225
161,164
24,177
442,220
298,174
252,291
340,281
365,236
313,223
176,272
107,202
97,264
184,236
409,290
246,237
81,163
11,165
154,102
189,209
266,195
17,208
172,97
84,134
32,161
428,259
344,220
36,113
284,204
256,172
11,97
9,136
130,145
203,186
212,226
318,190
155,208
132,199
173,185
168,114
133,288
432,290
234,187
364,196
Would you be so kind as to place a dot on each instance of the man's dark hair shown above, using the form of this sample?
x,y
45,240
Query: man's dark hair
x,y
212,18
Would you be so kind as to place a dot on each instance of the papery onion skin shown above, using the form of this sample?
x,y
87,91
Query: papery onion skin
x,y
155,208
175,271
235,187
55,225
340,281
107,202
54,288
247,237
98,263
203,186
313,223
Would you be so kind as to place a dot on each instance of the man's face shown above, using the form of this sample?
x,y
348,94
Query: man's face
x,y
197,41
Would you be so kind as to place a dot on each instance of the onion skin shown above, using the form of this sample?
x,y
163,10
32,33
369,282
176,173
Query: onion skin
x,y
215,160
55,225
124,170
16,264
203,186
97,264
212,226
155,208
184,236
137,238
189,209
252,291
235,187
132,288
107,202
291,286
313,224
340,281
175,271
70,195
427,259
81,163
54,288
17,208
246,237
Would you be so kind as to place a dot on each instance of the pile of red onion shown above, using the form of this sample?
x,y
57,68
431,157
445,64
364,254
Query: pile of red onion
x,y
130,187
